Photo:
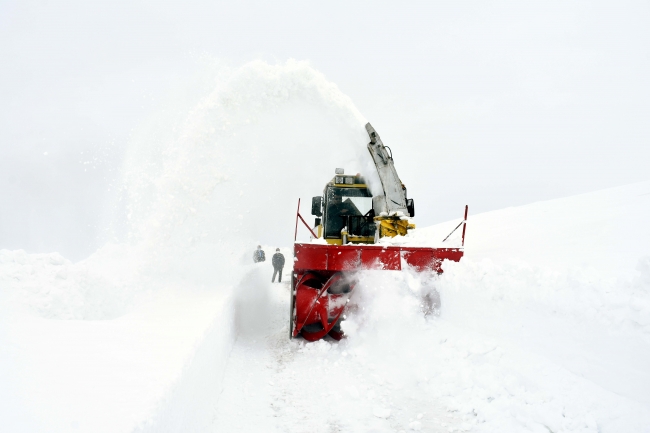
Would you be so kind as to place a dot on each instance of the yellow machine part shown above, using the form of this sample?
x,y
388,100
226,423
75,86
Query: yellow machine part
x,y
391,226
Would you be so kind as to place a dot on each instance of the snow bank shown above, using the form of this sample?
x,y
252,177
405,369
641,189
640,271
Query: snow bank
x,y
104,286
190,404
158,367
617,303
112,375
606,230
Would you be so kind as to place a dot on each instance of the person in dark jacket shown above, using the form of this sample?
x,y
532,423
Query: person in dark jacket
x,y
278,264
258,255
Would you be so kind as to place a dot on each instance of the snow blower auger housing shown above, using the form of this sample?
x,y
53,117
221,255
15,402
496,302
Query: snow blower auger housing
x,y
349,225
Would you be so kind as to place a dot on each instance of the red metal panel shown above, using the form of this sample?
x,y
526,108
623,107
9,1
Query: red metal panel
x,y
310,257
422,259
453,254
386,258
333,258
343,258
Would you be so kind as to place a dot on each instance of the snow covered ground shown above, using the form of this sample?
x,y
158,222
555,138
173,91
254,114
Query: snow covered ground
x,y
544,324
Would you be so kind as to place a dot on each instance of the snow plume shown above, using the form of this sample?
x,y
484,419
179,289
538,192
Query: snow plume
x,y
226,171
210,176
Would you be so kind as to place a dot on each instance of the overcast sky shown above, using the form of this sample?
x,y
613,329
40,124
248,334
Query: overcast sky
x,y
492,104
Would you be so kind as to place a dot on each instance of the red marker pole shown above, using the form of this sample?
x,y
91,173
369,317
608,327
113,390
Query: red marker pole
x,y
295,234
307,225
465,225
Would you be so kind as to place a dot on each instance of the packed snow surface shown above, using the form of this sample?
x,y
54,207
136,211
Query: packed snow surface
x,y
544,325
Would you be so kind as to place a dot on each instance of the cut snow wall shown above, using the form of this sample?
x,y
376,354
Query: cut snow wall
x,y
192,401
190,406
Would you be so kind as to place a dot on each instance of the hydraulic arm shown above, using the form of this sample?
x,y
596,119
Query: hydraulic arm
x,y
394,198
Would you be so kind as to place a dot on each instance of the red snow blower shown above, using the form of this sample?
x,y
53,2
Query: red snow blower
x,y
349,224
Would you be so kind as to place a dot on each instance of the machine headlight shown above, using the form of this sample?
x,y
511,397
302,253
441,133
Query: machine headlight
x,y
349,180
338,179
